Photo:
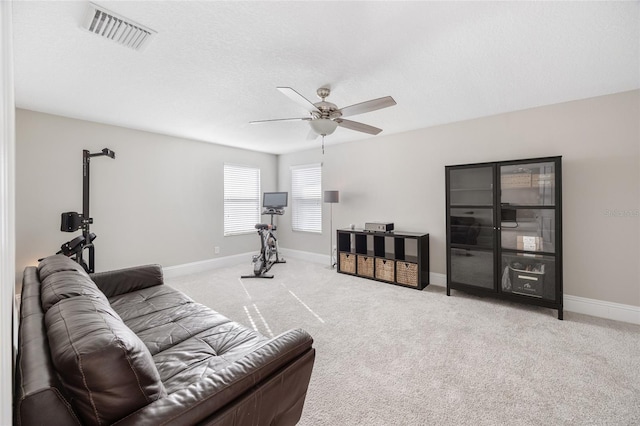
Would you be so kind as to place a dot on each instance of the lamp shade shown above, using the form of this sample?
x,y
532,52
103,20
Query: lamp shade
x,y
331,196
323,126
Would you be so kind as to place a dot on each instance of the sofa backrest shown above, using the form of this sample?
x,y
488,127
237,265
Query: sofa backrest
x,y
77,360
54,264
104,366
38,391
63,278
65,285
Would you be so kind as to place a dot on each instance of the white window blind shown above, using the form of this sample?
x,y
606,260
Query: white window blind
x,y
241,199
306,196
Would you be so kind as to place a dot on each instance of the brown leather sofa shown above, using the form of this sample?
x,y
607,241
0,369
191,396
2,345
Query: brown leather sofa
x,y
123,348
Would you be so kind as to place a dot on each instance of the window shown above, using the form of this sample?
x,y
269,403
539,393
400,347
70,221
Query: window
x,y
241,199
306,196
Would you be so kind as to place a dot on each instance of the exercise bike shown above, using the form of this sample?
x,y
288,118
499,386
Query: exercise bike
x,y
269,252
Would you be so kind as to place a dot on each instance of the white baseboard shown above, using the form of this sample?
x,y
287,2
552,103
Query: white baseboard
x,y
580,305
209,264
322,259
206,265
602,309
437,279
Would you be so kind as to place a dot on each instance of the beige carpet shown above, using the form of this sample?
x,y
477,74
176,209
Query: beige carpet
x,y
388,355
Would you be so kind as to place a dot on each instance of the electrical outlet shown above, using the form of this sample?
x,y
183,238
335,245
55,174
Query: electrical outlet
x,y
216,250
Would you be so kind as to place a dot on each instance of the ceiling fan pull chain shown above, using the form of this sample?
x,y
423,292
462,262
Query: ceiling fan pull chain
x,y
322,144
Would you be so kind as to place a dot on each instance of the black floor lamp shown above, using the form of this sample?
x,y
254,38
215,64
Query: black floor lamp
x,y
331,197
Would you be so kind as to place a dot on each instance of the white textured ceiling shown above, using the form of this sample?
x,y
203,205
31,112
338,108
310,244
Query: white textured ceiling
x,y
214,66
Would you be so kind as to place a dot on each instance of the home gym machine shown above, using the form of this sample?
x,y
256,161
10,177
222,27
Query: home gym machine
x,y
273,203
72,221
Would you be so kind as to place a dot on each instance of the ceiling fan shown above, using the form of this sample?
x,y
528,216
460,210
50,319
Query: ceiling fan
x,y
324,117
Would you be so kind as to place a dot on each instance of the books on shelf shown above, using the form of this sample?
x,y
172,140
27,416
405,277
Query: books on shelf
x,y
529,243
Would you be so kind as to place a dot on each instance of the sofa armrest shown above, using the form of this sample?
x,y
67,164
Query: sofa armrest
x,y
113,283
272,378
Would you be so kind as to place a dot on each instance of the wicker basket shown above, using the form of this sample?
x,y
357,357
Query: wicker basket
x,y
385,269
348,263
365,266
407,273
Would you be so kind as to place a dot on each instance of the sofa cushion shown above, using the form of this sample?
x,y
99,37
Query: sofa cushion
x,y
57,263
206,353
104,366
63,278
146,301
163,317
66,284
164,329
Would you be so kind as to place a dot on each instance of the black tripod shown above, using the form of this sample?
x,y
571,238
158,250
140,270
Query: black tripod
x,y
72,221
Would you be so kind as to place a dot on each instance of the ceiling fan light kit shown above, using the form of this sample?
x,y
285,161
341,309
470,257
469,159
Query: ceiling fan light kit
x,y
323,126
325,116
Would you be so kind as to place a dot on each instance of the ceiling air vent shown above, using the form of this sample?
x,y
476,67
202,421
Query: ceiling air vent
x,y
114,27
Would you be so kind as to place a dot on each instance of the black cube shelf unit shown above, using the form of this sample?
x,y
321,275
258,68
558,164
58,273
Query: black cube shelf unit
x,y
400,258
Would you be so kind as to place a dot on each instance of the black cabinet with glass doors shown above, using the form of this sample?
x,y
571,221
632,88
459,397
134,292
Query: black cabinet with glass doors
x,y
504,230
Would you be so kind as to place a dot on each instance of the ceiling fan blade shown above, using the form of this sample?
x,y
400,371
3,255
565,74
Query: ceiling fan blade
x,y
280,119
360,127
299,99
368,106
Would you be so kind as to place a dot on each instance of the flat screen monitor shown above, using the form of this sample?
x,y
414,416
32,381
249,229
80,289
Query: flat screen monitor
x,y
276,200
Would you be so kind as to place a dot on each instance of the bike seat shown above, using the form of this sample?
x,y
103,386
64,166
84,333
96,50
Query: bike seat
x,y
264,226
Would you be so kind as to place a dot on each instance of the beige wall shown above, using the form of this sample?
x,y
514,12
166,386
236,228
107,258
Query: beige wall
x,y
159,201
400,178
